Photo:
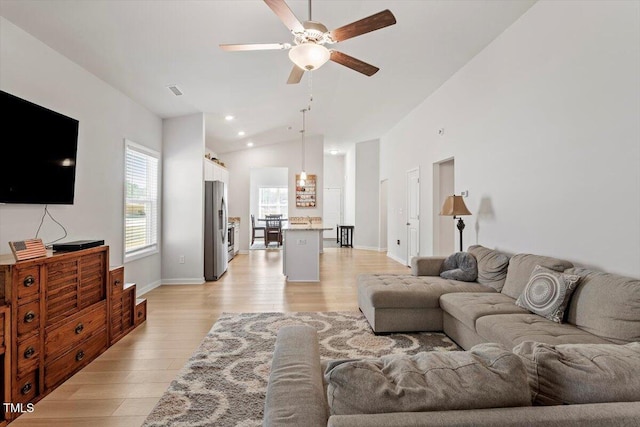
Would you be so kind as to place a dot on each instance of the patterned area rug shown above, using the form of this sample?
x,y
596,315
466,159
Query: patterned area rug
x,y
224,381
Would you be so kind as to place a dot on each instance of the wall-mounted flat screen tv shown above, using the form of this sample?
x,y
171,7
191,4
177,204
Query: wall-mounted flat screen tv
x,y
38,149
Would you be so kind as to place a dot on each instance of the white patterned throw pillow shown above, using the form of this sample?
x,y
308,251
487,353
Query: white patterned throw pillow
x,y
548,292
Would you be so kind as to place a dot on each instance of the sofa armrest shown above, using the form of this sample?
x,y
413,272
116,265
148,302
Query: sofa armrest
x,y
426,265
295,392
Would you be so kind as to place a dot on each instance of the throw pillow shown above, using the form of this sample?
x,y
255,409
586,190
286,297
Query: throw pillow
x,y
487,376
492,266
460,266
581,373
547,293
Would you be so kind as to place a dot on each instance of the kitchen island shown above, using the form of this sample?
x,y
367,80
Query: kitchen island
x,y
302,246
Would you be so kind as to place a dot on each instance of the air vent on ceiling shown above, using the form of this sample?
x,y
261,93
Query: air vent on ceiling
x,y
175,89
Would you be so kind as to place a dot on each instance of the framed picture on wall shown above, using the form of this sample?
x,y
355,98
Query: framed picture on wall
x,y
306,194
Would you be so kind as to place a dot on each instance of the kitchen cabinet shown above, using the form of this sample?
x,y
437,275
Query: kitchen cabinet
x,y
215,172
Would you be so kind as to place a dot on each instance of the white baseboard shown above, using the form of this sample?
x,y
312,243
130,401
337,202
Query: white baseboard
x,y
141,290
191,281
382,249
366,248
395,258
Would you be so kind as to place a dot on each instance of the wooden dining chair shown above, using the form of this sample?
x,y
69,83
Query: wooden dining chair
x,y
273,230
255,228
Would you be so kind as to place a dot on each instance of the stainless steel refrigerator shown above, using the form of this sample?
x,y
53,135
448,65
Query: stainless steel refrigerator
x,y
215,230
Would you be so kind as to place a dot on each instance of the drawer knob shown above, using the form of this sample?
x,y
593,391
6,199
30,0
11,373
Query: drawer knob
x,y
29,352
79,355
26,388
29,281
29,317
116,282
79,328
140,313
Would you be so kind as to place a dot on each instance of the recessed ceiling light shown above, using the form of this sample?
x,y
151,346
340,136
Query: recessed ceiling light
x,y
242,133
229,117
249,144
333,152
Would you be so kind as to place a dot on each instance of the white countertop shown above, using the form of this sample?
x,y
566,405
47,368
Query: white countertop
x,y
305,227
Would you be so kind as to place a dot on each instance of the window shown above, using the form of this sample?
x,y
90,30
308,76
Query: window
x,y
141,200
273,200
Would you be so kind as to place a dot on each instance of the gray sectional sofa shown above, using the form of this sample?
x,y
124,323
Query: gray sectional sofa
x,y
604,308
597,340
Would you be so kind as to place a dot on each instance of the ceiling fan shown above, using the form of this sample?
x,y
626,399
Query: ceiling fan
x,y
308,51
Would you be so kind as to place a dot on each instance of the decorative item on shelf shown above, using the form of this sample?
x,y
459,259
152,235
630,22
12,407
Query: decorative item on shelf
x,y
28,249
207,156
306,193
454,206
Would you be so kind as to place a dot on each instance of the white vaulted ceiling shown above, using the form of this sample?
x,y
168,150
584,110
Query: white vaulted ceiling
x,y
142,46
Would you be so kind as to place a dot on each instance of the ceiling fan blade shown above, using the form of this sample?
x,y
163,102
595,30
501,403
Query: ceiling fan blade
x,y
285,14
363,26
295,76
259,46
353,63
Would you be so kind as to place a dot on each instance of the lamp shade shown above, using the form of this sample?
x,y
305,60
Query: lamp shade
x,y
454,206
309,56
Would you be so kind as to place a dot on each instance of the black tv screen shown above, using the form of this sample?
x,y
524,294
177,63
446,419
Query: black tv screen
x,y
39,149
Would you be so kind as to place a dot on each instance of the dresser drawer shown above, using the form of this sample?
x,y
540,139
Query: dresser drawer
x,y
25,389
141,311
28,317
62,368
28,283
116,280
69,333
28,354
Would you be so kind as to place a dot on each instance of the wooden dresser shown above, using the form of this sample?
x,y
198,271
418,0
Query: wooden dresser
x,y
62,311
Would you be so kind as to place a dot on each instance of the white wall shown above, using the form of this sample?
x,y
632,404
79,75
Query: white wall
x,y
544,128
350,186
33,71
285,154
183,205
334,171
367,200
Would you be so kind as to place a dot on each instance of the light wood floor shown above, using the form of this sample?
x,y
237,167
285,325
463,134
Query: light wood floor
x,y
122,386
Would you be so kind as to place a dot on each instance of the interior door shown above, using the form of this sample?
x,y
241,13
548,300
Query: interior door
x,y
413,214
331,211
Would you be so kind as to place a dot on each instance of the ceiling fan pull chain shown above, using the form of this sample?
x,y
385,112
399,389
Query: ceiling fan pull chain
x,y
310,89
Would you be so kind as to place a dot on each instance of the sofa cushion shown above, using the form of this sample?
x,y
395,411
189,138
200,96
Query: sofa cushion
x,y
607,305
492,266
582,373
547,293
486,376
512,329
408,291
520,268
460,266
468,307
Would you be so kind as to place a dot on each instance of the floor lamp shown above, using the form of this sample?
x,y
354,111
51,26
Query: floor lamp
x,y
454,206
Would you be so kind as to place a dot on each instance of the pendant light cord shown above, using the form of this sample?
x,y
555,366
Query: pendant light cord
x,y
303,131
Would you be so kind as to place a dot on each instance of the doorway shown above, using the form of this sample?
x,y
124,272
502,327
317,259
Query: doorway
x,y
443,226
413,214
331,210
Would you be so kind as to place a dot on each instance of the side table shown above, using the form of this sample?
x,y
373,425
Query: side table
x,y
344,235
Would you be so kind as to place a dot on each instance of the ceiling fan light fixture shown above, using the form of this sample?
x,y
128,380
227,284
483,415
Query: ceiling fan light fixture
x,y
309,56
